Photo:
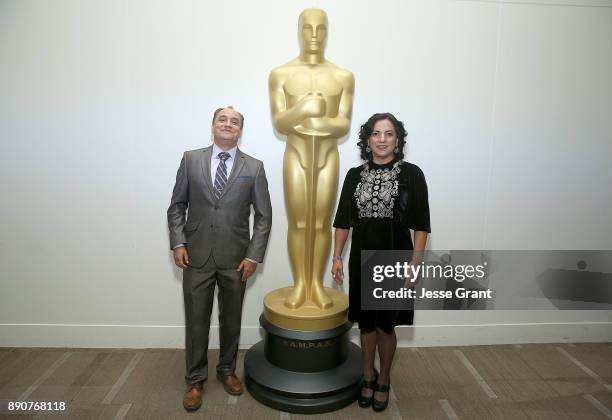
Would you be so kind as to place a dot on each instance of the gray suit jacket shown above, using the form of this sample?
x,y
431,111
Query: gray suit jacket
x,y
220,227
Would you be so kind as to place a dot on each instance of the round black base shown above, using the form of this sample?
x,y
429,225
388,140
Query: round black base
x,y
304,372
302,392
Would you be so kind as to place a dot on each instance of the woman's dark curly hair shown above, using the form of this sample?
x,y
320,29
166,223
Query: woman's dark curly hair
x,y
366,131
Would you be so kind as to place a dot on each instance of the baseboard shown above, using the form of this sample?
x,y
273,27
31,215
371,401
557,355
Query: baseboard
x,y
156,336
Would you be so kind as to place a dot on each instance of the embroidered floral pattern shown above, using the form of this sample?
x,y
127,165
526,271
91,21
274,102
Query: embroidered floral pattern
x,y
376,192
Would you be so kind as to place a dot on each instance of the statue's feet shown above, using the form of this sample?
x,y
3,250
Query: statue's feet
x,y
296,298
321,298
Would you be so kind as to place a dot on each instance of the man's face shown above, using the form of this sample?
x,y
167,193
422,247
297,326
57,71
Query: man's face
x,y
313,30
226,128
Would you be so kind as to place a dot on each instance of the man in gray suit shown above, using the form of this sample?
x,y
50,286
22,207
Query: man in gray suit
x,y
208,220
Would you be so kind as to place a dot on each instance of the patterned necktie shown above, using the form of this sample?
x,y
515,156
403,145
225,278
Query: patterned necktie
x,y
221,175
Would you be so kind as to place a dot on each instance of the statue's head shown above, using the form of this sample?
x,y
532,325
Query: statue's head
x,y
312,30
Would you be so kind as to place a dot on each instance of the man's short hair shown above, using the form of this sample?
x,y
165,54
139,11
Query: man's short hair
x,y
230,107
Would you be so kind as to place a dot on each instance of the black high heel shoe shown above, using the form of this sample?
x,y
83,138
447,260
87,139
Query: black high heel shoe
x,y
366,401
381,405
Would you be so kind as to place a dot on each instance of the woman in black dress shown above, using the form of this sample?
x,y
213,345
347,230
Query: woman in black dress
x,y
382,200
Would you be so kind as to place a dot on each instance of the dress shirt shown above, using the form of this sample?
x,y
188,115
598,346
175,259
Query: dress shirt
x,y
214,161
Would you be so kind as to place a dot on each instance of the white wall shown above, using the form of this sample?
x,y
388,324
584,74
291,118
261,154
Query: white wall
x,y
507,105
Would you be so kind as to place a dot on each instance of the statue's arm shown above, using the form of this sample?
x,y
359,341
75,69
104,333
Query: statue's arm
x,y
339,125
286,120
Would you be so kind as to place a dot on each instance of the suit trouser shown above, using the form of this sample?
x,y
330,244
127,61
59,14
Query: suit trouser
x,y
198,291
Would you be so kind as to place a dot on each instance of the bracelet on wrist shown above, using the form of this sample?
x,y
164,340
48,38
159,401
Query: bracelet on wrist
x,y
336,258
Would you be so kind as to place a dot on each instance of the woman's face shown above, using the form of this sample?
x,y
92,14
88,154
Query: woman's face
x,y
383,141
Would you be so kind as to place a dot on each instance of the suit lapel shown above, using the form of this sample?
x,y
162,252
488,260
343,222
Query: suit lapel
x,y
238,164
205,162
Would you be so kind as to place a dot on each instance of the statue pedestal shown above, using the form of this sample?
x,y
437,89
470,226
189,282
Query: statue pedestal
x,y
304,371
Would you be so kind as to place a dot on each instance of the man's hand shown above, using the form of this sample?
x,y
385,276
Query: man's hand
x,y
337,271
181,258
248,268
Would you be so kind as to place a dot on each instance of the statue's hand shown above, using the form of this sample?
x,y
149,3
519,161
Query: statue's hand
x,y
313,105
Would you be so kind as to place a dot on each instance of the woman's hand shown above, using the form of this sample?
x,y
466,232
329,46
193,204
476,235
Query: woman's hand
x,y
337,271
411,280
340,236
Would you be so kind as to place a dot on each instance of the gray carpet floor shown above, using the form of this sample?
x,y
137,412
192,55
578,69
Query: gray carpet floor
x,y
529,381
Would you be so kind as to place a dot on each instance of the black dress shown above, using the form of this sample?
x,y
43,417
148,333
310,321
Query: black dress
x,y
382,203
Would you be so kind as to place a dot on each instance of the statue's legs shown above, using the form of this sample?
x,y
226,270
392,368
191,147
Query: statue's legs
x,y
327,186
295,185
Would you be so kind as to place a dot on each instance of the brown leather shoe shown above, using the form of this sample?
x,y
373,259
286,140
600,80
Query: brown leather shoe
x,y
193,396
231,384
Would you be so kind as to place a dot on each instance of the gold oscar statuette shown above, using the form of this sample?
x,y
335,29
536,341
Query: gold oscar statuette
x,y
311,104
